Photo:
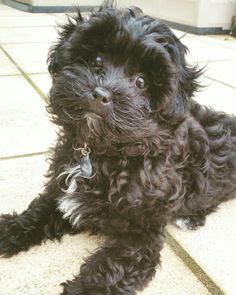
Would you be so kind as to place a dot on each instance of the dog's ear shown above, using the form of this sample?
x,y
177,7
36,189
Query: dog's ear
x,y
185,80
64,31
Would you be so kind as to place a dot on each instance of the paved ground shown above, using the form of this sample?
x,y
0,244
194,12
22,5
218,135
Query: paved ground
x,y
194,263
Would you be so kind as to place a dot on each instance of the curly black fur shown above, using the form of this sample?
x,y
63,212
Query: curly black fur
x,y
121,85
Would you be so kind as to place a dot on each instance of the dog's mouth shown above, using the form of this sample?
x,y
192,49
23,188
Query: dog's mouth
x,y
76,115
92,109
93,115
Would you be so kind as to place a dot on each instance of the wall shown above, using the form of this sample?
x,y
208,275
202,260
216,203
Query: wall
x,y
196,13
65,2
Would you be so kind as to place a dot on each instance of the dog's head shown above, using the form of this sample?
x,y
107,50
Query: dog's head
x,y
118,75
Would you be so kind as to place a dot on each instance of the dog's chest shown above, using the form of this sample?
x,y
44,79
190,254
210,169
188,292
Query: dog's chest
x,y
100,193
115,185
70,202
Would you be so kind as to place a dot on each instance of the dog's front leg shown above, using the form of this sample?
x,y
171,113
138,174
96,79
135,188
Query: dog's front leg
x,y
41,221
120,266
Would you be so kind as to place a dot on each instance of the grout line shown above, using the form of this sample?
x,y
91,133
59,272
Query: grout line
x,y
190,263
207,39
206,62
216,60
19,74
12,14
29,26
23,156
215,41
10,75
39,73
27,78
28,42
218,81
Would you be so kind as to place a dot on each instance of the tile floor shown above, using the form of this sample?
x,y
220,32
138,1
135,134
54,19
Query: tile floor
x,y
26,134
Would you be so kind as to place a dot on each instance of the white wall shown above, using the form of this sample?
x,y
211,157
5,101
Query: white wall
x,y
65,2
197,13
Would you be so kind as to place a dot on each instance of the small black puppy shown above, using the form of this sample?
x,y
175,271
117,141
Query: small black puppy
x,y
134,150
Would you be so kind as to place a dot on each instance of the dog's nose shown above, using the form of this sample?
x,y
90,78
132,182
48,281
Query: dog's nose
x,y
102,95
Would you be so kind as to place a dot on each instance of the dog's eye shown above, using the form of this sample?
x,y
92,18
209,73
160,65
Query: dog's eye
x,y
97,62
140,82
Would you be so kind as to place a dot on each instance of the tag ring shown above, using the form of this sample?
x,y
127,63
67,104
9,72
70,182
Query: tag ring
x,y
85,150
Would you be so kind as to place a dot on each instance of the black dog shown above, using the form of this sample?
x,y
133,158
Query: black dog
x,y
134,150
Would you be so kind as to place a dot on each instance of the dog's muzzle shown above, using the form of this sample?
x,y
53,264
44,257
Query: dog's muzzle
x,y
101,102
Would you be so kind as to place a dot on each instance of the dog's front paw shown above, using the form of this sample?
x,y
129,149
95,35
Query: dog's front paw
x,y
11,240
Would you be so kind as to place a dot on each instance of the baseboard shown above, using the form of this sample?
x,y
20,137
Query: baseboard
x,y
196,30
43,9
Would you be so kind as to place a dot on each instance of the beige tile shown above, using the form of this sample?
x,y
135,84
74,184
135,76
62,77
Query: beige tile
x,y
52,263
7,67
27,35
222,40
9,11
27,175
43,81
60,18
218,96
41,270
213,246
202,50
35,20
174,278
30,57
223,71
24,126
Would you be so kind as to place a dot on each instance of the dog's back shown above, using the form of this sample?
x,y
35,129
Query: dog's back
x,y
220,131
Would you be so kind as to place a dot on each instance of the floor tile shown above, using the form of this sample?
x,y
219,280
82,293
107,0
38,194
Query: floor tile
x,y
27,35
30,19
31,57
218,96
61,17
43,81
53,263
23,119
7,67
223,71
174,278
28,177
6,10
222,40
204,50
213,246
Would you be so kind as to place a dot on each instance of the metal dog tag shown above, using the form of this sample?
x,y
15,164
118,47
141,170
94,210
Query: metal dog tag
x,y
86,167
83,169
